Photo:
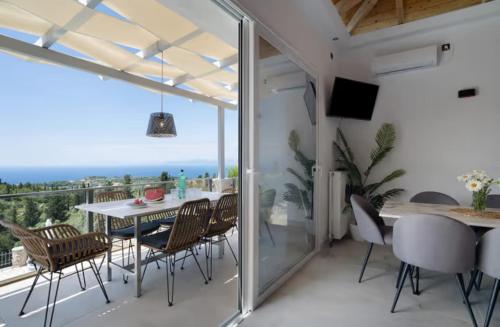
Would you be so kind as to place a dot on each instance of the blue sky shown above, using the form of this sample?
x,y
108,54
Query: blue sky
x,y
56,116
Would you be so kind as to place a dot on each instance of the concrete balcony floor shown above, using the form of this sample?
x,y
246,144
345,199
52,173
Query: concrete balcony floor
x,y
326,293
195,304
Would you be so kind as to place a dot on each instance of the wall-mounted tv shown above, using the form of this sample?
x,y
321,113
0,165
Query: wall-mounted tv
x,y
352,99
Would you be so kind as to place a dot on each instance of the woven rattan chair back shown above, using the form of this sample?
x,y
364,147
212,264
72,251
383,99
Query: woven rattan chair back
x,y
116,223
224,216
34,245
159,215
189,225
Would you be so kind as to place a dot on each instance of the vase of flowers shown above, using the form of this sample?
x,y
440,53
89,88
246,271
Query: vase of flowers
x,y
479,183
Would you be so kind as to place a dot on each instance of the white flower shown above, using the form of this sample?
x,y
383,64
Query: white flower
x,y
463,178
474,185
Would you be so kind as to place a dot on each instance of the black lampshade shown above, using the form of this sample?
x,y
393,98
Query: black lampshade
x,y
161,124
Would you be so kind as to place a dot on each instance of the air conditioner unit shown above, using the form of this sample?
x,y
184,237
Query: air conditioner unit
x,y
406,61
338,219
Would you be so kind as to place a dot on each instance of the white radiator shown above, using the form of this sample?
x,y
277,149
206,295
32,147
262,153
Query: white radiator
x,y
338,221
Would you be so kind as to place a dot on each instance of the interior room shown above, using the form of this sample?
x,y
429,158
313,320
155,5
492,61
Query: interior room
x,y
250,163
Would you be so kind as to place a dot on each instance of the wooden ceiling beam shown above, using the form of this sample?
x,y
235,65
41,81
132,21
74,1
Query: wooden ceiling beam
x,y
362,11
400,11
343,6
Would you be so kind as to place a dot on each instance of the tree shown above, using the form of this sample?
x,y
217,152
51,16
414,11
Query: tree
x,y
31,214
165,176
232,172
57,209
207,175
127,179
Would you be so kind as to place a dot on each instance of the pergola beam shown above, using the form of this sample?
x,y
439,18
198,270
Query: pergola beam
x,y
55,32
39,53
361,13
400,11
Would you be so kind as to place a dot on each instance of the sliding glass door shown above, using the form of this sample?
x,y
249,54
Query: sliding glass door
x,y
281,149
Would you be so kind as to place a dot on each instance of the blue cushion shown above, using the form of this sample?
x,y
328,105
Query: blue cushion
x,y
167,221
129,232
157,240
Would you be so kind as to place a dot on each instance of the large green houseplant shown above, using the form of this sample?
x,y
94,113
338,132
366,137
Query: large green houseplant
x,y
301,195
359,182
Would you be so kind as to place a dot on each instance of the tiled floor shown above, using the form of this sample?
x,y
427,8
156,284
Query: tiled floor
x,y
326,293
195,303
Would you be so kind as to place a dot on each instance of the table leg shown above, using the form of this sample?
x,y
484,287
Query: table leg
x,y
107,221
220,246
137,265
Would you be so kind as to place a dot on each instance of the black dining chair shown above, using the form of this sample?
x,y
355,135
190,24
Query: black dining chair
x,y
434,198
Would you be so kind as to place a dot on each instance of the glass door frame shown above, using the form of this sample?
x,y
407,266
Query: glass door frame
x,y
250,31
252,297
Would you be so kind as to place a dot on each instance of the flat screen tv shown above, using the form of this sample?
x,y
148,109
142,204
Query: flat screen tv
x,y
352,99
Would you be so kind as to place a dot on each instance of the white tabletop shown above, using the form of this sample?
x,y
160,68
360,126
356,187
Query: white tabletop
x,y
120,209
396,210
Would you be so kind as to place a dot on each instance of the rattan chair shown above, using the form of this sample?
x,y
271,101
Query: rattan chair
x,y
164,218
186,232
57,247
122,230
222,219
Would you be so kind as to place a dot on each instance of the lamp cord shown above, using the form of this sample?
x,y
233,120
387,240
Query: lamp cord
x,y
161,90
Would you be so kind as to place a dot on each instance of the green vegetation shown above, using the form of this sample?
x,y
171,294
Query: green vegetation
x,y
232,172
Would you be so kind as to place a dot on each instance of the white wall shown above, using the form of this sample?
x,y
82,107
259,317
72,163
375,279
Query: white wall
x,y
439,135
307,27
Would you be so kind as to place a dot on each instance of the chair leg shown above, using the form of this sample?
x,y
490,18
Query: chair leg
x,y
55,298
84,285
148,259
231,248
365,261
472,281
48,299
416,291
198,264
493,300
269,232
184,259
479,281
99,279
460,280
400,273
400,286
39,272
207,258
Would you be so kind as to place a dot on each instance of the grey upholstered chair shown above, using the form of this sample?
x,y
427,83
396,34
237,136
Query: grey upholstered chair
x,y
371,227
434,198
493,201
488,263
436,243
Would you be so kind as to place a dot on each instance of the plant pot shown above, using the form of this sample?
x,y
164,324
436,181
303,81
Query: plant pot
x,y
355,234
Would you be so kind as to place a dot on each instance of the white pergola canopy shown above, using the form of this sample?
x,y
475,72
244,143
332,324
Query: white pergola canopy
x,y
128,36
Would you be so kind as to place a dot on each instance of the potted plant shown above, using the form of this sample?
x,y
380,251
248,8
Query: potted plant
x,y
359,182
301,195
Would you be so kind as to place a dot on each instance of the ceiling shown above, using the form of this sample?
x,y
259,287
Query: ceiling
x,y
130,36
362,16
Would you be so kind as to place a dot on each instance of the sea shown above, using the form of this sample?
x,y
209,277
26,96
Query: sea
x,y
16,175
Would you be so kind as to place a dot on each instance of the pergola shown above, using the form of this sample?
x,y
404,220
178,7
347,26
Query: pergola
x,y
124,40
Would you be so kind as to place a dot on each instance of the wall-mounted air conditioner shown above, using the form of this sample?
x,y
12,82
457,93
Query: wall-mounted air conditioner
x,y
406,61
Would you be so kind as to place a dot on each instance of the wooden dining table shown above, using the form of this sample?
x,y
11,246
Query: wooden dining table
x,y
393,210
122,210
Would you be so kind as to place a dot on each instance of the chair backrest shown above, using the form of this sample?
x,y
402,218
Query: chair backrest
x,y
266,202
487,253
493,201
434,242
224,215
368,220
189,225
35,245
434,198
116,223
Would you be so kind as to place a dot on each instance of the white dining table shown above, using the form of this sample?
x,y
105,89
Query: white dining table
x,y
121,210
393,210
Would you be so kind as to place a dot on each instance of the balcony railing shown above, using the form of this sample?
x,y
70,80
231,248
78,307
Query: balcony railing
x,y
32,209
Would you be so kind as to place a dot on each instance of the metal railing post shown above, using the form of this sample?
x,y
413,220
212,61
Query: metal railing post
x,y
210,185
89,216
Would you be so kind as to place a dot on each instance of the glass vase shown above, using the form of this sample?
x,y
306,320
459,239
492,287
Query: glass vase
x,y
479,200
